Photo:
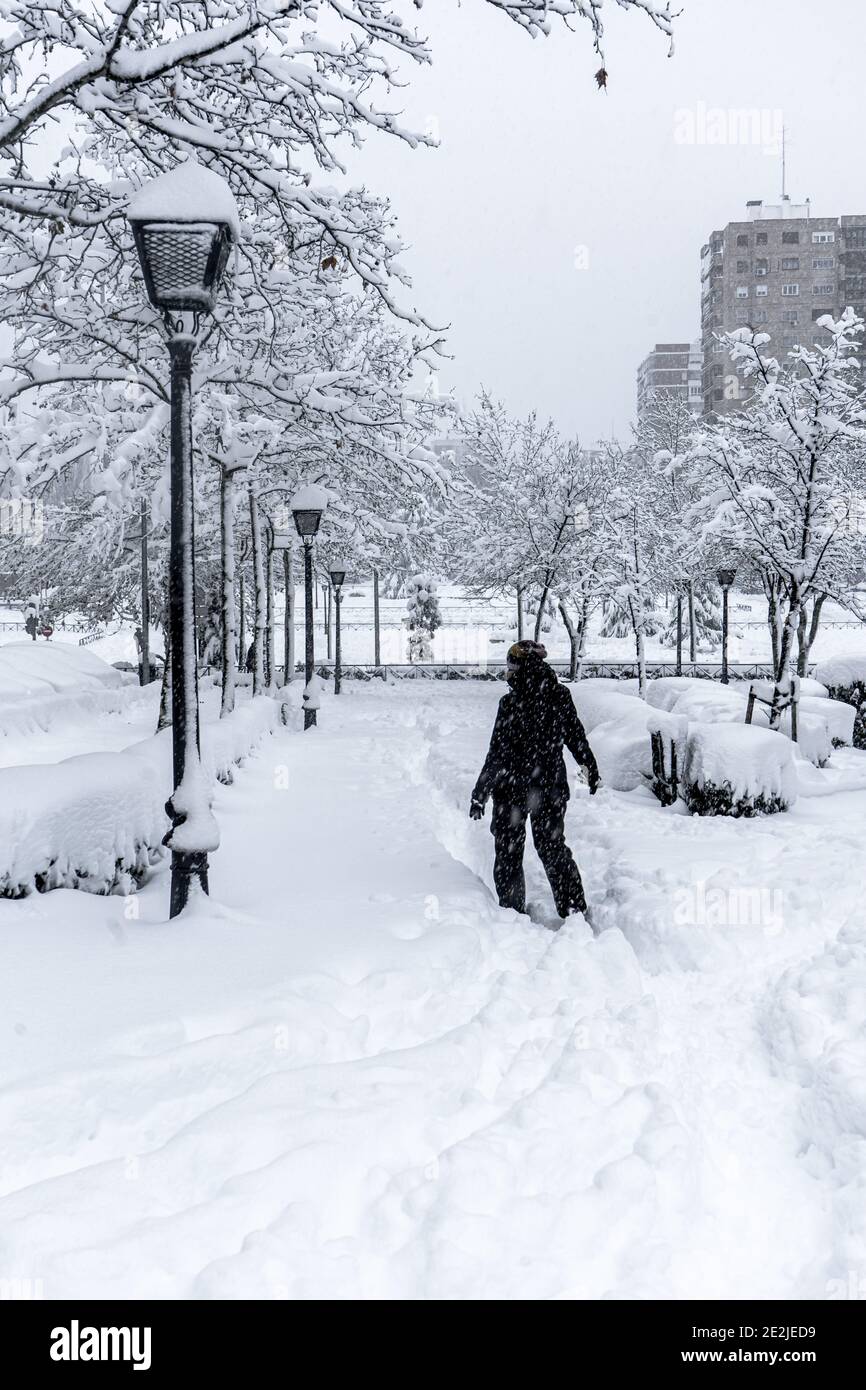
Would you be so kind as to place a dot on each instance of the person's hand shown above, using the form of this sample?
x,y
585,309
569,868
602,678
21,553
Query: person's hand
x,y
476,809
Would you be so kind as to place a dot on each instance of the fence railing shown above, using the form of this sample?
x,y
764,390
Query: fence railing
x,y
615,670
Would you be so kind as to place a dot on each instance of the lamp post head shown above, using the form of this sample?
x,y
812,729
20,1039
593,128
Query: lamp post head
x,y
184,223
338,576
726,577
308,507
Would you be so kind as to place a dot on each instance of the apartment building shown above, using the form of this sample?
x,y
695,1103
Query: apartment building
x,y
672,369
778,271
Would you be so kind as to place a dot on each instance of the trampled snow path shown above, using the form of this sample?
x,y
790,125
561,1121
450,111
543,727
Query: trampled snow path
x,y
352,1075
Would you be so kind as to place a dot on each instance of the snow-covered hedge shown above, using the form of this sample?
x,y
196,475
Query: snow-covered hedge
x,y
738,770
845,679
616,725
96,821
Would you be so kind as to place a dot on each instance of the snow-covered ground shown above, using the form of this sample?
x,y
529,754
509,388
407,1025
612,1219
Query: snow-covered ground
x,y
350,1074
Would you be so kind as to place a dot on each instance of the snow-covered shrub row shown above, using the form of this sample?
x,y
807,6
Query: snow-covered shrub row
x,y
845,679
29,669
738,770
96,821
48,684
726,766
44,713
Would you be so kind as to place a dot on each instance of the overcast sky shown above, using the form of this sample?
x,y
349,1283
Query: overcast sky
x,y
558,229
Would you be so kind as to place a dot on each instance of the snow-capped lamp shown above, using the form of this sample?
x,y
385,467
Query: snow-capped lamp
x,y
726,578
309,505
337,576
184,223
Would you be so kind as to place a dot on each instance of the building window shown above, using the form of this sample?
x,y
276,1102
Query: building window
x,y
760,291
790,316
718,395
761,316
762,267
742,316
855,236
824,289
761,239
823,262
823,238
742,267
789,290
818,314
742,241
790,238
742,291
790,263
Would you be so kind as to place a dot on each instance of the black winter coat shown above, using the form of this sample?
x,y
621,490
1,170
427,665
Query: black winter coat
x,y
535,719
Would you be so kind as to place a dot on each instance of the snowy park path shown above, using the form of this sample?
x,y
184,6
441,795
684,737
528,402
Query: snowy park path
x,y
350,1074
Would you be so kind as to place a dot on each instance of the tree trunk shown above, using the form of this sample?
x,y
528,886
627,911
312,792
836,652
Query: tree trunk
x,y
784,679
540,614
289,616
164,718
377,648
640,650
242,636
807,633
270,627
260,599
572,640
520,614
693,637
774,622
227,550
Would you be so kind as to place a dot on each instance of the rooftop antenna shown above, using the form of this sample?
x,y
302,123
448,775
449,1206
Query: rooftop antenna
x,y
784,182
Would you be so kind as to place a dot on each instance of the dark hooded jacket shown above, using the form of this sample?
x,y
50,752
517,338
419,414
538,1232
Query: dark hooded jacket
x,y
536,718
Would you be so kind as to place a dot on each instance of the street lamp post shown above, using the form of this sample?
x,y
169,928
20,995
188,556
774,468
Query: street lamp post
x,y
338,576
184,223
726,578
308,505
282,540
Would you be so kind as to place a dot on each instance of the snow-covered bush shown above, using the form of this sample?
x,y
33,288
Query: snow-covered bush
x,y
738,770
95,822
663,692
423,617
845,679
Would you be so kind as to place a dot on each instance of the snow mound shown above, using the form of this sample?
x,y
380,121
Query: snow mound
x,y
842,671
664,692
754,764
48,668
96,821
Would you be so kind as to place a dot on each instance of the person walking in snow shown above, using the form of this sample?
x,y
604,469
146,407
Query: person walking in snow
x,y
524,773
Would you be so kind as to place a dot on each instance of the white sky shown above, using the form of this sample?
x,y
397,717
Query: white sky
x,y
535,162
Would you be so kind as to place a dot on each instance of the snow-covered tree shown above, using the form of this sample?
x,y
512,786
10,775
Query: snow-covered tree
x,y
423,617
774,478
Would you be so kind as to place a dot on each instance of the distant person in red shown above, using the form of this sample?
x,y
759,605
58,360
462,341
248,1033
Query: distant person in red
x,y
524,774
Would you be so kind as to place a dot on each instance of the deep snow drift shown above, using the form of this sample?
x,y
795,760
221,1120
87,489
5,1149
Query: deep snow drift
x,y
350,1074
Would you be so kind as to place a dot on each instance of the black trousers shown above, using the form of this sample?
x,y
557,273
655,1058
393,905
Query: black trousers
x,y
547,817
